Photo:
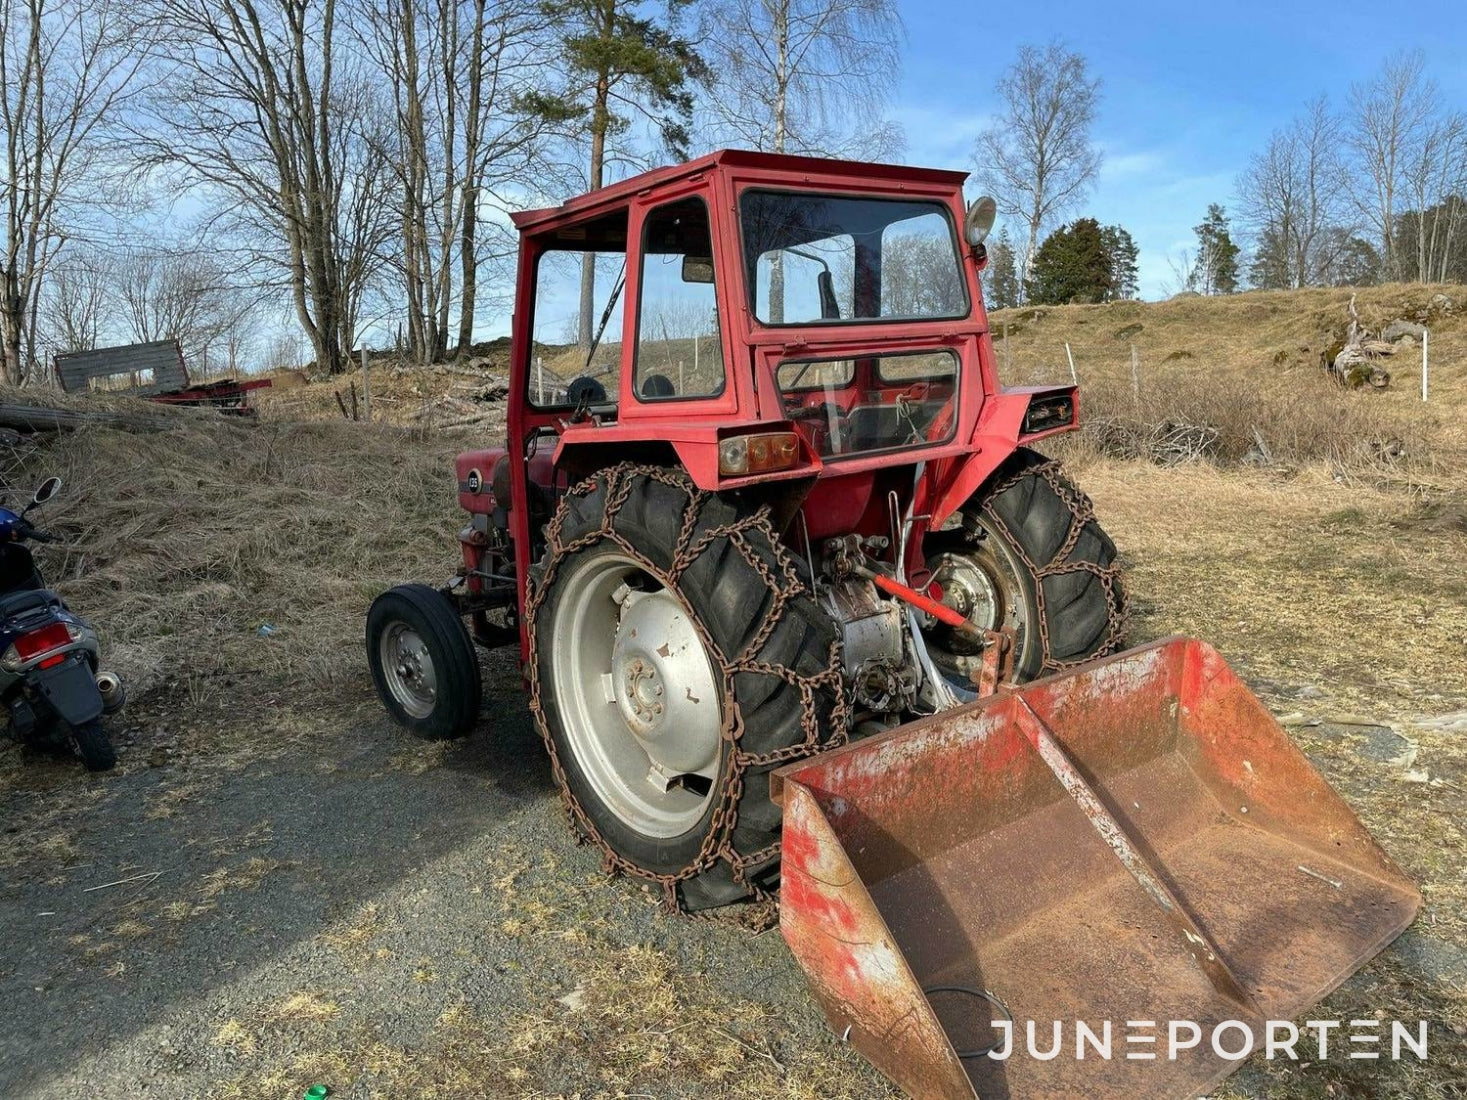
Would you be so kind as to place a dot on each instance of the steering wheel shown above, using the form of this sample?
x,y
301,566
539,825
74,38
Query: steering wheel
x,y
825,419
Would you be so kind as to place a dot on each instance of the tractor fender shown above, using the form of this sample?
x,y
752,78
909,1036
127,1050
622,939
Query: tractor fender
x,y
1000,432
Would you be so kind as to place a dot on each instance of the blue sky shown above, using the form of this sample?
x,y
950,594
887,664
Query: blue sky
x,y
1188,94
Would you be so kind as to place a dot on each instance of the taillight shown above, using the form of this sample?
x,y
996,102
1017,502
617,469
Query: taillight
x,y
741,455
1047,413
38,642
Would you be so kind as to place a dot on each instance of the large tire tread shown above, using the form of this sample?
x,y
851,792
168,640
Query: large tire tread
x,y
1078,591
733,601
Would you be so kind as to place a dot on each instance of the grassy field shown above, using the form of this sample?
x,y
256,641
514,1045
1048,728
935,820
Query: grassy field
x,y
338,903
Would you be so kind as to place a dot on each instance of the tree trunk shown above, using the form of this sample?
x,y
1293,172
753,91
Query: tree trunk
x,y
468,232
781,121
600,123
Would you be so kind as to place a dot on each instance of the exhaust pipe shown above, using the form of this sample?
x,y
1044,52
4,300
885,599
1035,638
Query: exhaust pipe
x,y
113,695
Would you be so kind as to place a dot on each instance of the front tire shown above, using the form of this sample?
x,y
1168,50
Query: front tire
x,y
94,746
1031,558
677,657
423,662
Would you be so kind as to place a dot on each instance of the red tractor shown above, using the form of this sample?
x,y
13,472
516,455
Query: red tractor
x,y
762,495
791,399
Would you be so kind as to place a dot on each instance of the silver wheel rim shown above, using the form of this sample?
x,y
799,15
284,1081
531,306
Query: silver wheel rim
x,y
639,703
982,582
408,669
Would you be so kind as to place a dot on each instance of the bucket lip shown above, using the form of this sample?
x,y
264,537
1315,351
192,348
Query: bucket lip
x,y
1172,643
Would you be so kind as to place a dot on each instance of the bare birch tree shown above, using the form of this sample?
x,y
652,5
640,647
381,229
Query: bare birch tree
x,y
1037,159
1435,172
811,77
74,304
1293,197
1390,117
66,69
458,137
263,111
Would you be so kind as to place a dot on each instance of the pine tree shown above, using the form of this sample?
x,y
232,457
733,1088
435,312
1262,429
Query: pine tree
x,y
1002,274
1271,269
1216,269
1072,265
619,59
1124,255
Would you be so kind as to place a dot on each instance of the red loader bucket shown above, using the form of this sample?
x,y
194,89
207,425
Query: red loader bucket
x,y
1136,842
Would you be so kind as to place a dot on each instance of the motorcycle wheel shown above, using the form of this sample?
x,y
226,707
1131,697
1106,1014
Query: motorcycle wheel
x,y
94,746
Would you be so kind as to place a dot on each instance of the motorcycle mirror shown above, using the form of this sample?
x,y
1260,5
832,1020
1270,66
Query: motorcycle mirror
x,y
48,489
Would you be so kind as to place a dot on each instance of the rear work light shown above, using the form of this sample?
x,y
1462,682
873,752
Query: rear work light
x,y
38,643
741,455
1046,413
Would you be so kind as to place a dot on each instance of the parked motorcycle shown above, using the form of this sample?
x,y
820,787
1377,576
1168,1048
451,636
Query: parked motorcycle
x,y
50,685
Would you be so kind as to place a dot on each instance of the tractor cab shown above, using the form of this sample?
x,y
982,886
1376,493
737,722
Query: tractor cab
x,y
833,304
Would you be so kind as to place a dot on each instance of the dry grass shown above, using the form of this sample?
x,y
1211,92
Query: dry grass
x,y
634,1022
220,559
1229,372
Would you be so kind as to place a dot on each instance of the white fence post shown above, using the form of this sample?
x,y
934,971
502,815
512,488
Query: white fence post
x,y
1074,378
1425,361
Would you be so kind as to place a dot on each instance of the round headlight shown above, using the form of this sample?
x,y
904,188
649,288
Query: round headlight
x,y
981,215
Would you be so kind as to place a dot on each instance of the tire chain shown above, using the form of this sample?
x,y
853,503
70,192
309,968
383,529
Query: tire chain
x,y
784,581
1083,512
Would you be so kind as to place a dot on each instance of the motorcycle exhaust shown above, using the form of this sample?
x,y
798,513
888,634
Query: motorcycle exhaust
x,y
113,694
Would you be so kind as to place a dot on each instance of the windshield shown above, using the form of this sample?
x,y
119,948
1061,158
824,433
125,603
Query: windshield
x,y
811,258
870,404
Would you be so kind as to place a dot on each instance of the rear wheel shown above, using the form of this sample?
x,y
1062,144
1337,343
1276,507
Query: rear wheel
x,y
94,746
423,662
1030,557
677,658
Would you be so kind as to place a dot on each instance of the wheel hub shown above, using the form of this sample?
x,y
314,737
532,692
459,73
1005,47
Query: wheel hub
x,y
967,589
408,669
664,683
641,705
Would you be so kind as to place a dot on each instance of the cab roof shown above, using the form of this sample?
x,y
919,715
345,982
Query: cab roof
x,y
618,194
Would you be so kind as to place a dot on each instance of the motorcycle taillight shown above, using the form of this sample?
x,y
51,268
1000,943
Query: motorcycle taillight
x,y
53,636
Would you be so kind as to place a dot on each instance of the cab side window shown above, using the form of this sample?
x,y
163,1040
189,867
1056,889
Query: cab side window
x,y
679,353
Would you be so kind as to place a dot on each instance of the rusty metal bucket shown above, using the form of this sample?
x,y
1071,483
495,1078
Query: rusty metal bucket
x,y
1133,841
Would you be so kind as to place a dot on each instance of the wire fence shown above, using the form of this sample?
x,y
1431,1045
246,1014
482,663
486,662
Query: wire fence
x,y
1172,393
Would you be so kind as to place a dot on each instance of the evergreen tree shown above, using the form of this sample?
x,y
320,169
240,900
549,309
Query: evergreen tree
x,y
1216,269
1271,268
1123,254
620,60
1002,274
1072,265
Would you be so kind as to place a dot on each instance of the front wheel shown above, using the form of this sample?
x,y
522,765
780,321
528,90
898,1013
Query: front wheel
x,y
1031,558
94,746
423,662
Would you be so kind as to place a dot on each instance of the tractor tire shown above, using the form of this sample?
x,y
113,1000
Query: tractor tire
x,y
94,746
677,658
1030,557
423,662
